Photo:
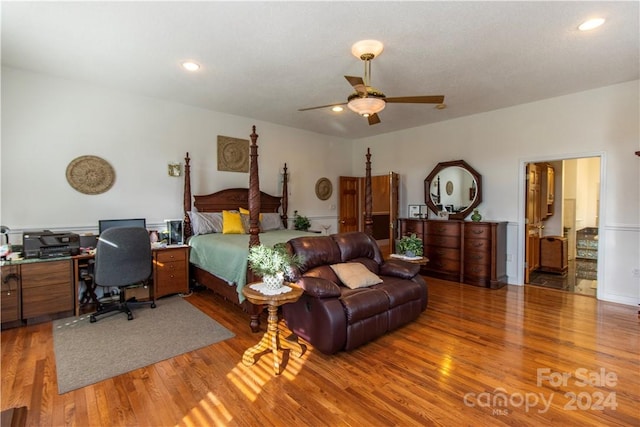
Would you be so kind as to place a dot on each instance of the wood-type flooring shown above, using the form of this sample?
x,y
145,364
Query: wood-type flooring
x,y
514,356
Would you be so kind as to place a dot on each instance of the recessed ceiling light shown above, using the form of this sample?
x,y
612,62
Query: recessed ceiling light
x,y
190,66
337,109
591,24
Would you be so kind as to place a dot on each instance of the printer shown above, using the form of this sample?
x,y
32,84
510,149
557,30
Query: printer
x,y
48,244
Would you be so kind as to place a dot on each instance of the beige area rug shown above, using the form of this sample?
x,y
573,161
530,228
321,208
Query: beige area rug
x,y
87,353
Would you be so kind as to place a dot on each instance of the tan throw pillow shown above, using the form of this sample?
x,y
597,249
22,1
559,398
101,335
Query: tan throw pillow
x,y
355,275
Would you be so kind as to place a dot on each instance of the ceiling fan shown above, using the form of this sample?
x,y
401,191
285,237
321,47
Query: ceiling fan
x,y
368,101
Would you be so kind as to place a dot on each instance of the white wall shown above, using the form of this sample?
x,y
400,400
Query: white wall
x,y
47,122
497,144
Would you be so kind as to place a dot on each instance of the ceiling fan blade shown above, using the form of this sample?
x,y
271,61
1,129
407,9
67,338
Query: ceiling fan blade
x,y
373,119
322,106
358,85
429,99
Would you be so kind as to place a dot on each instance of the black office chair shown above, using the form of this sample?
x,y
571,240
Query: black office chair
x,y
123,258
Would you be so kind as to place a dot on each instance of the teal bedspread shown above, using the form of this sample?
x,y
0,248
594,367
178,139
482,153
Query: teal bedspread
x,y
225,255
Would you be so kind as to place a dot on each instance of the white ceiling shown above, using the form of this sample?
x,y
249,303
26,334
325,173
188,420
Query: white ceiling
x,y
265,60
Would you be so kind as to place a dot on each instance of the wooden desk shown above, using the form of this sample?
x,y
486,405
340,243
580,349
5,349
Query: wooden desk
x,y
80,262
170,272
271,339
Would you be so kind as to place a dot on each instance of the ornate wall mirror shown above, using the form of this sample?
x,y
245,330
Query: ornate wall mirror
x,y
454,187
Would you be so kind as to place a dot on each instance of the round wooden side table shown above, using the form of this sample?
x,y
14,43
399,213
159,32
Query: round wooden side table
x,y
271,338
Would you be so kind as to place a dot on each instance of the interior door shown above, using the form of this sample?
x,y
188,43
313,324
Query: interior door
x,y
533,227
394,184
349,209
381,208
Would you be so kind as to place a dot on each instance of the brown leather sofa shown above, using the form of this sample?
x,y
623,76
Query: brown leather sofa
x,y
334,317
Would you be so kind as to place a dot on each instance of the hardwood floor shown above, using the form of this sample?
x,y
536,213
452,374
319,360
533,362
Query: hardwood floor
x,y
475,357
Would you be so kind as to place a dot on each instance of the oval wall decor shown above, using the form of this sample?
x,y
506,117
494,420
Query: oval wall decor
x,y
324,188
90,175
449,188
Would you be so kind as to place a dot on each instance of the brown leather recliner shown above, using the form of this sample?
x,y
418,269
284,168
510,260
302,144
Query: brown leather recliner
x,y
333,317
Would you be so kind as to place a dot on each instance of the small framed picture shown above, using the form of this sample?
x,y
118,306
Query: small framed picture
x,y
414,211
174,169
175,231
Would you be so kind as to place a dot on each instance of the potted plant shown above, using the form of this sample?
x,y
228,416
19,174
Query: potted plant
x,y
272,263
300,222
410,246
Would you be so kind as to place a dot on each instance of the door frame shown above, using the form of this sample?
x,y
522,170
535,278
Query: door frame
x,y
522,214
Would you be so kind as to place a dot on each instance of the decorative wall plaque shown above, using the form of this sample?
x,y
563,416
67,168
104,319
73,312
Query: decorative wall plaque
x,y
233,154
90,175
324,188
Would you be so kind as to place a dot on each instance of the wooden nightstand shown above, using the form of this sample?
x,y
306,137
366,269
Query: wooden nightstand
x,y
171,270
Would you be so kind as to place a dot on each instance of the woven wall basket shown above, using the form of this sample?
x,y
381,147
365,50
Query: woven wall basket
x,y
90,175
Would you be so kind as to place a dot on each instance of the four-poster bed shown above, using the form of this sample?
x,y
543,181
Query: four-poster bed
x,y
212,265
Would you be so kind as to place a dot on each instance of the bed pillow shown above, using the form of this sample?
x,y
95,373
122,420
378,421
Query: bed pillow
x,y
232,223
205,222
244,211
271,221
355,275
246,223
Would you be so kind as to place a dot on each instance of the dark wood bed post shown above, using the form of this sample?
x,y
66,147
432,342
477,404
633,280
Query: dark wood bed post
x,y
254,220
285,197
368,219
254,192
187,197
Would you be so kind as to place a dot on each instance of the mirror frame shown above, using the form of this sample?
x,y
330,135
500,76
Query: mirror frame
x,y
443,165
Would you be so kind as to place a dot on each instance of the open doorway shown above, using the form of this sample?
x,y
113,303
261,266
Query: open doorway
x,y
561,219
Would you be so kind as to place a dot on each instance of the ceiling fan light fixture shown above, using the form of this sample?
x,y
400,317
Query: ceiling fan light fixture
x,y
591,24
367,49
366,106
190,66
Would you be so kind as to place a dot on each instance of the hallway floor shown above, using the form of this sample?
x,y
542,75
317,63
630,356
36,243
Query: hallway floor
x,y
566,282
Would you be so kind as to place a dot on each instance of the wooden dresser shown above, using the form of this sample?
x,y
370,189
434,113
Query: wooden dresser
x,y
462,251
442,243
485,254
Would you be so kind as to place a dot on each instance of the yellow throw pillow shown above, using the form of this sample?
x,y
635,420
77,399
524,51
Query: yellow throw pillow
x,y
232,223
355,275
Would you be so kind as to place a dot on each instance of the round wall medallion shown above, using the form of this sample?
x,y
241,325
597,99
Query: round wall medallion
x,y
90,175
324,188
